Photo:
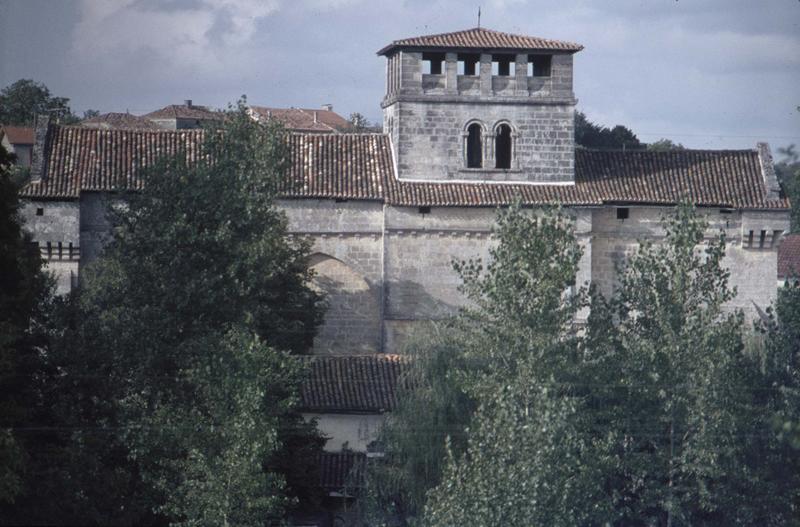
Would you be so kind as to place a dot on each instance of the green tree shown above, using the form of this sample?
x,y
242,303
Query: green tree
x,y
664,145
788,172
656,415
193,310
433,411
591,135
21,101
25,292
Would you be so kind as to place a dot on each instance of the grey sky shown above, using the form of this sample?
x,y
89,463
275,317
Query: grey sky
x,y
706,73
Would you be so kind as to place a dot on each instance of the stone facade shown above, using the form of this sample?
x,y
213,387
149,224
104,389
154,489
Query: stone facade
x,y
428,117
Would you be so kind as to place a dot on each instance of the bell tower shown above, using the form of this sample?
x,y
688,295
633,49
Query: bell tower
x,y
481,105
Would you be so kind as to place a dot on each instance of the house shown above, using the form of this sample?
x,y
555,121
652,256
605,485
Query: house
x,y
323,120
120,121
183,116
18,140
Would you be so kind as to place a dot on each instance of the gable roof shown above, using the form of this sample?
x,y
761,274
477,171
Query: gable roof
x,y
183,111
119,121
361,167
303,119
479,38
18,135
351,383
789,257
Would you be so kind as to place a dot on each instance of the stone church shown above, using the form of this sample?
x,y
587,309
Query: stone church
x,y
472,120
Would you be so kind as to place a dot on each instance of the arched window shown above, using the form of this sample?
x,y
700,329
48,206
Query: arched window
x,y
474,146
502,147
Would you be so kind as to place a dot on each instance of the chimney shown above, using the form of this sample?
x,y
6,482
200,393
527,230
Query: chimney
x,y
315,116
188,103
327,107
41,125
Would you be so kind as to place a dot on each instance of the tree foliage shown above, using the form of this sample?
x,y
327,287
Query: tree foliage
x,y
21,101
25,292
655,414
788,172
198,299
591,135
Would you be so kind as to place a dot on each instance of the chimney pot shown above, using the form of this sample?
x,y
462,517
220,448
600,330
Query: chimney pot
x,y
327,107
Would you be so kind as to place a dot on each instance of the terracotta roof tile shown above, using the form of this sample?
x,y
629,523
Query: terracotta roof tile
x,y
363,383
119,121
360,167
303,119
18,135
481,38
789,257
183,111
342,470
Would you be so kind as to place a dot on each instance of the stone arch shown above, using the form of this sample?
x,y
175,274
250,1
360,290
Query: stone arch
x,y
504,144
474,144
352,323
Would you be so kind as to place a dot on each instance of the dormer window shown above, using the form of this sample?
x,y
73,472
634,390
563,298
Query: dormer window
x,y
503,65
502,147
539,65
474,146
432,63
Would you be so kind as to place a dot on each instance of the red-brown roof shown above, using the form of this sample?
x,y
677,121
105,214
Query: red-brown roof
x,y
479,38
183,111
18,135
342,470
360,167
303,119
119,121
789,257
361,383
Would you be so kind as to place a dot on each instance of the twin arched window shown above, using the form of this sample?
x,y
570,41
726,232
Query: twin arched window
x,y
503,146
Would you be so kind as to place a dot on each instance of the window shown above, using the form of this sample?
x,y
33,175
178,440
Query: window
x,y
424,209
40,212
623,213
432,63
539,65
503,65
502,147
468,63
474,146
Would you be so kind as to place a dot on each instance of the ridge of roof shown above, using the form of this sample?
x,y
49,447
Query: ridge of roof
x,y
481,38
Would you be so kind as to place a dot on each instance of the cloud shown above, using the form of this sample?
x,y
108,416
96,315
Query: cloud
x,y
178,34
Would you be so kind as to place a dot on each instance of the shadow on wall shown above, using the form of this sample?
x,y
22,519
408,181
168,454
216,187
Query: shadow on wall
x,y
352,323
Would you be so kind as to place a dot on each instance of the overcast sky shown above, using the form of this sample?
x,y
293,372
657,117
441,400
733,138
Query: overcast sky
x,y
706,73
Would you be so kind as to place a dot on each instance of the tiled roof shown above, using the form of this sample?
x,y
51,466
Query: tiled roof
x,y
725,178
119,121
88,159
183,111
18,135
360,167
481,39
342,470
362,383
789,256
303,119
347,166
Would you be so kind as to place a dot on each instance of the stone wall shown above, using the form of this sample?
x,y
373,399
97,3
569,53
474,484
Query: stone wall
x,y
56,228
429,140
347,259
352,431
